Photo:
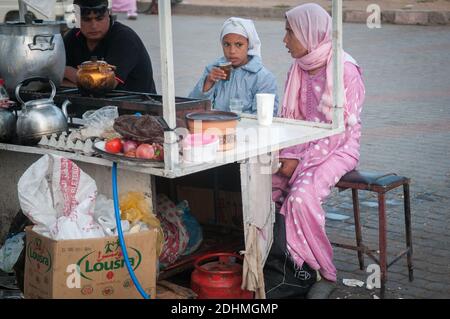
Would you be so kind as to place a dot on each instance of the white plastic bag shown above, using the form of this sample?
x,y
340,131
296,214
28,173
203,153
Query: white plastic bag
x,y
104,215
59,198
99,123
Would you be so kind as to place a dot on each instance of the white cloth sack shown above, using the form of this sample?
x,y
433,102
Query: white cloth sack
x,y
45,7
59,198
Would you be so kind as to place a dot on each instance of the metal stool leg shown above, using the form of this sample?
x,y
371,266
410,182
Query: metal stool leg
x,y
358,232
408,230
382,241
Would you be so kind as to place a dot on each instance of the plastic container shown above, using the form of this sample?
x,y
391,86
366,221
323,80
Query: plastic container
x,y
219,123
199,147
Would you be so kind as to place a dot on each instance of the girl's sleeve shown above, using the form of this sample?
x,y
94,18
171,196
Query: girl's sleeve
x,y
266,83
354,94
198,93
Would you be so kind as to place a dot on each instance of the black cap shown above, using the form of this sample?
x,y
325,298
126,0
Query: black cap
x,y
91,3
98,7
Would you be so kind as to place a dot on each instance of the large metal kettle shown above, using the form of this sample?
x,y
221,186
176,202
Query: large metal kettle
x,y
31,49
39,117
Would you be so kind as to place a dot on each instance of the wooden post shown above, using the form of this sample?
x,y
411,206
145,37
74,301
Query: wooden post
x,y
258,212
338,74
168,88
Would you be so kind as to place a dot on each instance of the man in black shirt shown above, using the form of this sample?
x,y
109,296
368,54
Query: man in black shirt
x,y
111,41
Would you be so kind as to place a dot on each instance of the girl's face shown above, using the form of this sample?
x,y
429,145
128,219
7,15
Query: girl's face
x,y
235,47
295,48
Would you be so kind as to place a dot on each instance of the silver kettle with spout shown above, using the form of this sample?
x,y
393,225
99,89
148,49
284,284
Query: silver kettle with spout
x,y
39,117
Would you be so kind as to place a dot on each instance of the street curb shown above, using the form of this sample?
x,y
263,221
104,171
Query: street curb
x,y
405,17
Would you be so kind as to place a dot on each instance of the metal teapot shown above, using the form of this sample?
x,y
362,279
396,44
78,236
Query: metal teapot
x,y
95,78
39,117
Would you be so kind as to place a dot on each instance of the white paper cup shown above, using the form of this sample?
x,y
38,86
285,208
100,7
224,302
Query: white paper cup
x,y
264,105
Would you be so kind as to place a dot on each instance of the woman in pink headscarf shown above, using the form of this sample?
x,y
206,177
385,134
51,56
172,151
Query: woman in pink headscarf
x,y
128,6
309,170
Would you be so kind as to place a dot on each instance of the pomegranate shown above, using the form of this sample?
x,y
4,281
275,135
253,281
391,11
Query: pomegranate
x,y
145,151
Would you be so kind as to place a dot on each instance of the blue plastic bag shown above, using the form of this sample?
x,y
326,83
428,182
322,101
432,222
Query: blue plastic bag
x,y
193,227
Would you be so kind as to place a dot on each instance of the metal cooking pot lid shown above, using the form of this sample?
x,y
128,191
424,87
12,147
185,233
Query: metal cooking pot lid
x,y
36,22
94,63
212,116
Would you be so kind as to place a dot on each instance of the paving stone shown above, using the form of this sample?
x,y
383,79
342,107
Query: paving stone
x,y
437,17
355,16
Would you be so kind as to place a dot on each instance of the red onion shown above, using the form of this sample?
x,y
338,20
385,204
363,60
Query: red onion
x,y
129,145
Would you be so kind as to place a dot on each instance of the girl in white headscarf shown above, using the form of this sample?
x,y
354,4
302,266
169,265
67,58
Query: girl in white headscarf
x,y
242,47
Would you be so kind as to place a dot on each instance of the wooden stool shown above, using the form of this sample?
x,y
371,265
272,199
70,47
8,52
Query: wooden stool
x,y
381,184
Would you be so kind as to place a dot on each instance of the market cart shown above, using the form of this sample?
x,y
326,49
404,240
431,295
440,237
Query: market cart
x,y
253,150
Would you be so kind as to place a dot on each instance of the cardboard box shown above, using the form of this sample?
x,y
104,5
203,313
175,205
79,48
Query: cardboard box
x,y
51,267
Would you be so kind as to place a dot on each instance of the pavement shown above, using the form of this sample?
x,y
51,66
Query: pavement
x,y
406,130
409,12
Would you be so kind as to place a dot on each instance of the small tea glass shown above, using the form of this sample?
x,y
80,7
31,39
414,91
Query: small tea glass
x,y
236,106
226,67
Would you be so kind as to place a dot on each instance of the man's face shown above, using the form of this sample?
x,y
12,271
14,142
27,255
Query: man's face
x,y
94,26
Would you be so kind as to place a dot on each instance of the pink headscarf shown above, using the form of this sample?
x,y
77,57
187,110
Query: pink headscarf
x,y
311,25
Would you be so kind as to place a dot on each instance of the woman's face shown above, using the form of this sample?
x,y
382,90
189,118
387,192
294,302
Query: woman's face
x,y
235,47
295,48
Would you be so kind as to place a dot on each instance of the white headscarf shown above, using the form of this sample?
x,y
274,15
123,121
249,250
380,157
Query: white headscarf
x,y
246,28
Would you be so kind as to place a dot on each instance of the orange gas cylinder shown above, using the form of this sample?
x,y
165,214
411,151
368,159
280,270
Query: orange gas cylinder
x,y
219,279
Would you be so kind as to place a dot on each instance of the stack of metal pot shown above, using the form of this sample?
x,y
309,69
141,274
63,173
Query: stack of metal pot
x,y
33,49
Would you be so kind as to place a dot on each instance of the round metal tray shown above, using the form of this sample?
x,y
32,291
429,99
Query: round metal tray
x,y
213,116
99,147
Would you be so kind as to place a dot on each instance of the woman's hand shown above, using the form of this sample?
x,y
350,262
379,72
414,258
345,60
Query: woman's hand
x,y
215,75
288,166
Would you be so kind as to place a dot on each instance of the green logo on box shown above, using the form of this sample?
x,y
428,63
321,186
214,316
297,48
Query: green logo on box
x,y
36,252
110,259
